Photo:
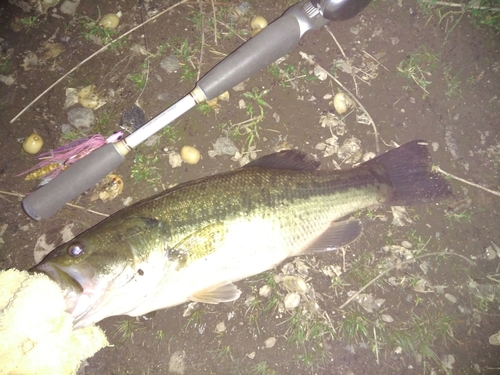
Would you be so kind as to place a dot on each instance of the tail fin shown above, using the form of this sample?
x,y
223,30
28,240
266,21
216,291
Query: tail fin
x,y
409,170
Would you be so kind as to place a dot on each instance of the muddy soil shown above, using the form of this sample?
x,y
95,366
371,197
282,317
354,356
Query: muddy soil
x,y
420,73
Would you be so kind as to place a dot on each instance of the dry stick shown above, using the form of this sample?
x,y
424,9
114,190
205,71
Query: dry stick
x,y
436,168
378,62
215,22
202,40
230,29
93,55
345,57
68,204
356,86
396,266
456,5
377,148
147,51
336,42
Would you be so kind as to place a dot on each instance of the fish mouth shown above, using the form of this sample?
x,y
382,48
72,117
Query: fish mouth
x,y
62,278
73,282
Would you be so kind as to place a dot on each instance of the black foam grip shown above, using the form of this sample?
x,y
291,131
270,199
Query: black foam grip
x,y
273,42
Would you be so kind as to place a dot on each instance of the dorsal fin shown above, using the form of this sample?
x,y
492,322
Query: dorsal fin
x,y
288,159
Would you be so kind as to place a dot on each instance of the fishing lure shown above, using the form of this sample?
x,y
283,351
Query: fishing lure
x,y
55,161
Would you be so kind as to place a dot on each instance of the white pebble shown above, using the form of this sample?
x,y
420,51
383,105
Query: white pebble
x,y
292,300
265,291
295,284
269,343
174,159
406,244
387,318
221,327
450,298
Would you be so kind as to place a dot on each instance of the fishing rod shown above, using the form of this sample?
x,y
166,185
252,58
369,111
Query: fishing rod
x,y
273,42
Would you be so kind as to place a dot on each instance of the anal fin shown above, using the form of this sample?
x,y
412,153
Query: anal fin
x,y
216,294
340,233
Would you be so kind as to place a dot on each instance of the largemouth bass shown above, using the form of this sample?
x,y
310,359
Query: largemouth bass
x,y
191,242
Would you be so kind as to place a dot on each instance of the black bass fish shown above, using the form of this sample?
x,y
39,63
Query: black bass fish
x,y
191,242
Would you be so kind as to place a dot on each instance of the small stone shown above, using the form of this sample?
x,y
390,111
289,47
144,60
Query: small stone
x,y
406,244
265,291
151,141
270,342
295,284
8,80
387,318
292,300
66,128
81,118
174,159
450,298
170,64
240,86
224,146
354,30
221,327
447,361
176,365
490,253
127,201
251,355
495,339
132,119
69,7
71,97
368,156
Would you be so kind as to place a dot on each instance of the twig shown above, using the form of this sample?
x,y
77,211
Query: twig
x,y
13,194
202,40
93,55
215,22
436,168
68,204
345,57
230,29
377,148
337,43
463,6
396,266
87,209
147,51
378,62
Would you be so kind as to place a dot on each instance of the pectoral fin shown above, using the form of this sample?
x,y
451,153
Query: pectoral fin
x,y
216,294
339,234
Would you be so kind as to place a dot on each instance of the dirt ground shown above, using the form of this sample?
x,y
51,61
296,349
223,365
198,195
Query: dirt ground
x,y
420,72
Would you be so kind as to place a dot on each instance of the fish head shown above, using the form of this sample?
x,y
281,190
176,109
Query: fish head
x,y
109,269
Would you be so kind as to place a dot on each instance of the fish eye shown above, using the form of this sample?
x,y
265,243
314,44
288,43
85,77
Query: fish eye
x,y
76,250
